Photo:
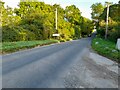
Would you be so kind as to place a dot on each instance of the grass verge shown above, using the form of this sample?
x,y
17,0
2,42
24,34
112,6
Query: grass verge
x,y
106,48
8,47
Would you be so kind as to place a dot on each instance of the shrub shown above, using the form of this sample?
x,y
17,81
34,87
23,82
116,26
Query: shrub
x,y
16,33
114,34
62,40
68,39
101,32
9,34
37,30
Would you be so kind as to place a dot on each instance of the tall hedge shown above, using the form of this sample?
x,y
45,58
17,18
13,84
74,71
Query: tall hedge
x,y
16,33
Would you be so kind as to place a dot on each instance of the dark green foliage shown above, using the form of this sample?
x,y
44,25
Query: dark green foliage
x,y
87,27
113,12
36,21
62,40
113,23
114,34
101,32
16,33
97,10
77,31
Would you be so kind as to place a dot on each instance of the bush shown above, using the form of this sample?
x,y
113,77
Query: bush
x,y
9,34
16,33
38,31
62,40
114,34
68,39
101,32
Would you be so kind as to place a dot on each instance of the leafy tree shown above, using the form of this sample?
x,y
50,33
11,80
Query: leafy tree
x,y
73,15
35,14
97,10
114,22
36,21
87,26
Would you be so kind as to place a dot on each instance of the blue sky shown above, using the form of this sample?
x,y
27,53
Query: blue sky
x,y
83,5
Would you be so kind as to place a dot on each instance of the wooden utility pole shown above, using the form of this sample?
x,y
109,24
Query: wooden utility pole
x,y
56,27
108,5
56,19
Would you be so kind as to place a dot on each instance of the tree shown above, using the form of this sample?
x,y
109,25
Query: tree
x,y
36,21
114,22
38,17
73,15
97,10
86,26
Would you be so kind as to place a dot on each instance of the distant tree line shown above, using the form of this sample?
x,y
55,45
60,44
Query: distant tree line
x,y
36,21
99,12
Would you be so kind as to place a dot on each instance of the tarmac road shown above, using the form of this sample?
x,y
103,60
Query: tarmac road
x,y
64,65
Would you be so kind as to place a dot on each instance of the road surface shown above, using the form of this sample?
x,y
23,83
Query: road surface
x,y
64,65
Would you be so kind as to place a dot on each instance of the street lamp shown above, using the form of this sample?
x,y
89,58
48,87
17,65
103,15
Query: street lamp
x,y
108,5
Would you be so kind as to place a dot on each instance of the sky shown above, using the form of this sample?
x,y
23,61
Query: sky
x,y
83,5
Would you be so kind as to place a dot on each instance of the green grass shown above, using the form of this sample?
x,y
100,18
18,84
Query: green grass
x,y
106,48
7,47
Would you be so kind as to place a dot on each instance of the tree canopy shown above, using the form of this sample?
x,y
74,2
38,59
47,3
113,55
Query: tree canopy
x,y
34,20
113,21
97,10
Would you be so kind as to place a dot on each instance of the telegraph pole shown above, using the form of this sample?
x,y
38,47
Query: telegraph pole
x,y
107,21
108,5
56,19
56,27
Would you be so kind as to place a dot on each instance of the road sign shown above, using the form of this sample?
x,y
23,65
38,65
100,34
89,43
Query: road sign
x,y
56,34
